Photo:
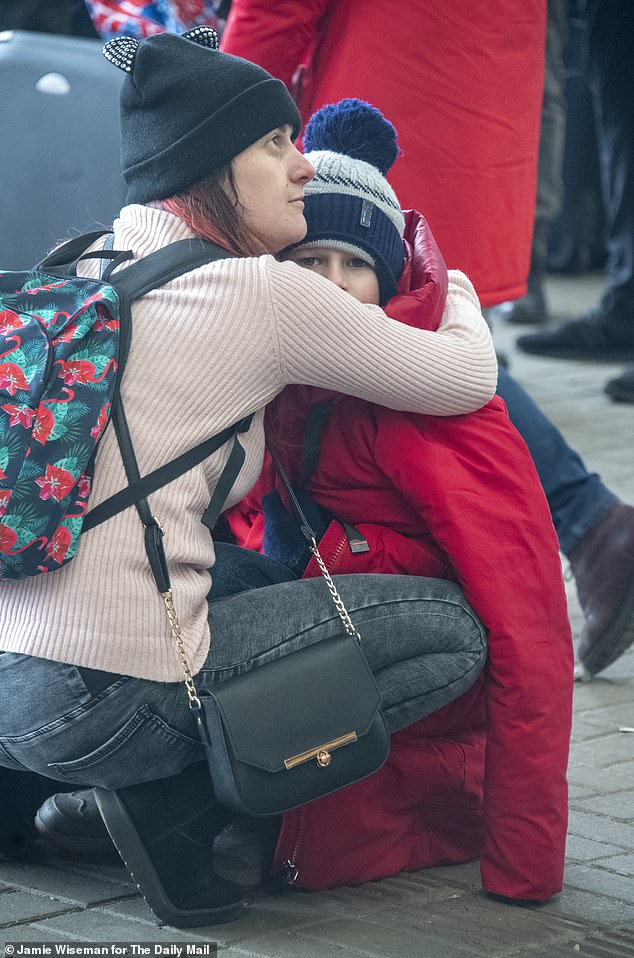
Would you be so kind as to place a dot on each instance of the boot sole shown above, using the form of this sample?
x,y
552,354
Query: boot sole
x,y
136,859
615,641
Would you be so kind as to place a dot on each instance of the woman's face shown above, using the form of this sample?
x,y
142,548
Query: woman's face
x,y
269,179
346,270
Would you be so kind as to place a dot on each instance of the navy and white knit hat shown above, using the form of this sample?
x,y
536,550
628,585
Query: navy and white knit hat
x,y
187,109
349,204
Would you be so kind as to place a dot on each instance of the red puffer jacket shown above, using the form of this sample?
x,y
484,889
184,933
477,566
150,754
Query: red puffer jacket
x,y
453,498
462,83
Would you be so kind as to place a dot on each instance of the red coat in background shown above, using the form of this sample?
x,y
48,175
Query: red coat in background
x,y
462,83
457,498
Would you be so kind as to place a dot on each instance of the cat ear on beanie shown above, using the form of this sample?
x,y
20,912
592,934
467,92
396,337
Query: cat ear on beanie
x,y
187,109
349,204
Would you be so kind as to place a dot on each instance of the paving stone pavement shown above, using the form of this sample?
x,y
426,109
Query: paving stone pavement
x,y
442,912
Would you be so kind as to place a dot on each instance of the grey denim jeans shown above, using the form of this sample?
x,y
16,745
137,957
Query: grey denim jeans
x,y
422,640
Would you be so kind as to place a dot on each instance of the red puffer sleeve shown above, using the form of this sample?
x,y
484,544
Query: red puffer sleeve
x,y
473,481
423,284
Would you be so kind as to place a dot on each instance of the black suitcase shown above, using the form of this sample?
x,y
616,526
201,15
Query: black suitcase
x,y
60,167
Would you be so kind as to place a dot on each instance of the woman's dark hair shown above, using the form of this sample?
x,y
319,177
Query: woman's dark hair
x,y
211,209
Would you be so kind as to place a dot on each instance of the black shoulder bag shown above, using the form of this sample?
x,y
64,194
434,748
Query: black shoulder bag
x,y
299,727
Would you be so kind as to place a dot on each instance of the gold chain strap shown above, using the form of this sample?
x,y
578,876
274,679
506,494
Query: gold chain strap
x,y
177,635
192,694
341,609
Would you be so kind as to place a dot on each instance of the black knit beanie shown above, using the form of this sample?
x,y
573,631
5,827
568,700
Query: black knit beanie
x,y
187,109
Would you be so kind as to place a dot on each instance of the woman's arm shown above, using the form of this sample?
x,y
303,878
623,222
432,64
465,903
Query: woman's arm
x,y
326,338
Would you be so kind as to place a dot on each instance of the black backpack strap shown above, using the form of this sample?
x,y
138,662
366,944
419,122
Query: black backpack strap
x,y
144,486
164,264
227,477
68,252
153,537
145,274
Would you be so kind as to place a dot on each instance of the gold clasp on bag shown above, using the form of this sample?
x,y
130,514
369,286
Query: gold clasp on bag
x,y
321,754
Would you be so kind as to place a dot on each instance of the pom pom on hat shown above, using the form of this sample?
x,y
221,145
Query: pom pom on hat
x,y
349,204
355,128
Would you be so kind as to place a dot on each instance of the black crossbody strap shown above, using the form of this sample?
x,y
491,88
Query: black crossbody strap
x,y
304,524
314,426
316,421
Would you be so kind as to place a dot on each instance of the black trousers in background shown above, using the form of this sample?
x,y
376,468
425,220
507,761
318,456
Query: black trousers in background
x,y
611,69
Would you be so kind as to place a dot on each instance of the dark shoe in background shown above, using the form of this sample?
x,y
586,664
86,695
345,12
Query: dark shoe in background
x,y
595,335
532,308
621,389
603,567
164,832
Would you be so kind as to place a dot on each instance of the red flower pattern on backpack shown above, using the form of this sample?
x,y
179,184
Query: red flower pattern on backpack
x,y
56,483
57,548
9,321
12,378
19,415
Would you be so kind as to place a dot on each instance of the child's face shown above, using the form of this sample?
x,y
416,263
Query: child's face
x,y
346,270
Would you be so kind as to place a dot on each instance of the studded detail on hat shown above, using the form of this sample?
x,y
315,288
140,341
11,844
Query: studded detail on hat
x,y
121,51
203,36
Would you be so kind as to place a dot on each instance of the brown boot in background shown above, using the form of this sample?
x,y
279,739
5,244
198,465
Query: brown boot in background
x,y
603,567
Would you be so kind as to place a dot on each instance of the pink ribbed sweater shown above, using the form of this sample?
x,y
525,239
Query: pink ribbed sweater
x,y
207,349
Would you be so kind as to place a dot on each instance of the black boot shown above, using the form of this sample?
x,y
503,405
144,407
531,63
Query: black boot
x,y
71,823
165,831
621,389
597,335
531,308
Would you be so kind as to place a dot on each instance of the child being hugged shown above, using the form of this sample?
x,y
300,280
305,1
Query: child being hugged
x,y
455,498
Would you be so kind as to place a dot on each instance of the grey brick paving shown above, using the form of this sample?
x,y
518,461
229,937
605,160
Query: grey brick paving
x,y
601,828
618,805
622,864
441,913
584,849
63,883
598,911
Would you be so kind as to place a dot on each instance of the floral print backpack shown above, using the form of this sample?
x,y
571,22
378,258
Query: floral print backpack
x,y
64,340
